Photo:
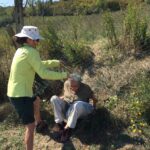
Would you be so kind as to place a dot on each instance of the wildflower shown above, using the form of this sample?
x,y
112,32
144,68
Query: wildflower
x,y
142,124
140,131
132,120
134,130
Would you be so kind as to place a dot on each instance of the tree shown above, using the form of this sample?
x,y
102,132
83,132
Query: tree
x,y
18,14
31,4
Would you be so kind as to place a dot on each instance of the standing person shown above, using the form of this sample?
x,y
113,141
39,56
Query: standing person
x,y
74,104
25,64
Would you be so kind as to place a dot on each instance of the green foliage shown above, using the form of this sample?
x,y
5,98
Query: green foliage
x,y
134,103
137,99
135,27
5,16
147,1
112,102
109,29
75,24
51,43
113,5
89,6
66,7
73,52
8,115
10,140
78,54
142,91
6,50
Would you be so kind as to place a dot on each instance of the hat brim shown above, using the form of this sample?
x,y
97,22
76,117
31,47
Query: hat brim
x,y
21,35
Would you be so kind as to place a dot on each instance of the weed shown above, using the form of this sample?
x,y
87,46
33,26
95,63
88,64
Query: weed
x,y
135,27
109,29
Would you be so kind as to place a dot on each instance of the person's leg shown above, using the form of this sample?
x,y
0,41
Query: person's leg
x,y
59,107
41,125
78,110
37,114
25,109
29,136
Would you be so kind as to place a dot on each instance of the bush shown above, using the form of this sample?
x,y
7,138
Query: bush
x,y
109,29
113,5
135,28
78,54
73,52
5,16
6,50
51,45
5,20
147,1
137,99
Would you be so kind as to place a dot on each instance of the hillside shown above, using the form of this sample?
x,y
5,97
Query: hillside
x,y
111,50
104,129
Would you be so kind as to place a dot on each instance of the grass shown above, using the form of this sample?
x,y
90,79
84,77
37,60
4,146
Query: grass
x,y
11,137
121,120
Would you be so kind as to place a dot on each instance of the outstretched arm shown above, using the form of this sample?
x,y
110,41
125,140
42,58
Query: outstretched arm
x,y
51,63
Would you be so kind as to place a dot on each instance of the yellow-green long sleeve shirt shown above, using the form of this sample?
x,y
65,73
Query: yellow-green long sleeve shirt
x,y
25,64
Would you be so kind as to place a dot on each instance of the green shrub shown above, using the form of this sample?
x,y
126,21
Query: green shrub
x,y
51,46
5,16
109,29
72,51
113,5
147,1
112,102
137,100
135,28
5,20
7,51
78,54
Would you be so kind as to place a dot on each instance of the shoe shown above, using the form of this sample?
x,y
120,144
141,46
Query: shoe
x,y
41,127
58,127
66,134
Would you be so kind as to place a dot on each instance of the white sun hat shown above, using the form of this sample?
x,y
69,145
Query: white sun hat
x,y
30,32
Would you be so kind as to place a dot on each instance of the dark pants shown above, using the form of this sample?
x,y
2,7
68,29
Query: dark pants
x,y
25,108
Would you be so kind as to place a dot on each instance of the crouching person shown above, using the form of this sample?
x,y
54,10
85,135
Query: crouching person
x,y
72,105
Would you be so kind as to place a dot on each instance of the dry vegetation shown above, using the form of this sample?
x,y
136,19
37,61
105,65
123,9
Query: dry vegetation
x,y
118,71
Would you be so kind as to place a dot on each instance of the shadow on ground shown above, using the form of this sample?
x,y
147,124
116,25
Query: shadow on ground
x,y
105,130
101,129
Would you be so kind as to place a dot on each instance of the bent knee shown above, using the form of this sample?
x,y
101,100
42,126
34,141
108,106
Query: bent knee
x,y
78,106
54,98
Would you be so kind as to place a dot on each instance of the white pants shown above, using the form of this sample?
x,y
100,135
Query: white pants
x,y
71,112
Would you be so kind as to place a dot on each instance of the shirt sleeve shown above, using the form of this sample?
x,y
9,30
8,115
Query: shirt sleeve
x,y
35,61
51,63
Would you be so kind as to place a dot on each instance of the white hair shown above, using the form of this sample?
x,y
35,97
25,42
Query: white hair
x,y
69,95
75,77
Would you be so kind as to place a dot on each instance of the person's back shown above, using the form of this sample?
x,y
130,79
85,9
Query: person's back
x,y
84,93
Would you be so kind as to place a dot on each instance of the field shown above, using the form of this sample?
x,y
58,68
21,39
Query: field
x,y
115,64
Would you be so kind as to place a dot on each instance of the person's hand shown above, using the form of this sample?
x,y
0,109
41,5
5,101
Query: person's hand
x,y
61,97
63,65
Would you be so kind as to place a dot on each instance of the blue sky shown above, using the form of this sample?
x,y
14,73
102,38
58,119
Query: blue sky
x,y
10,2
